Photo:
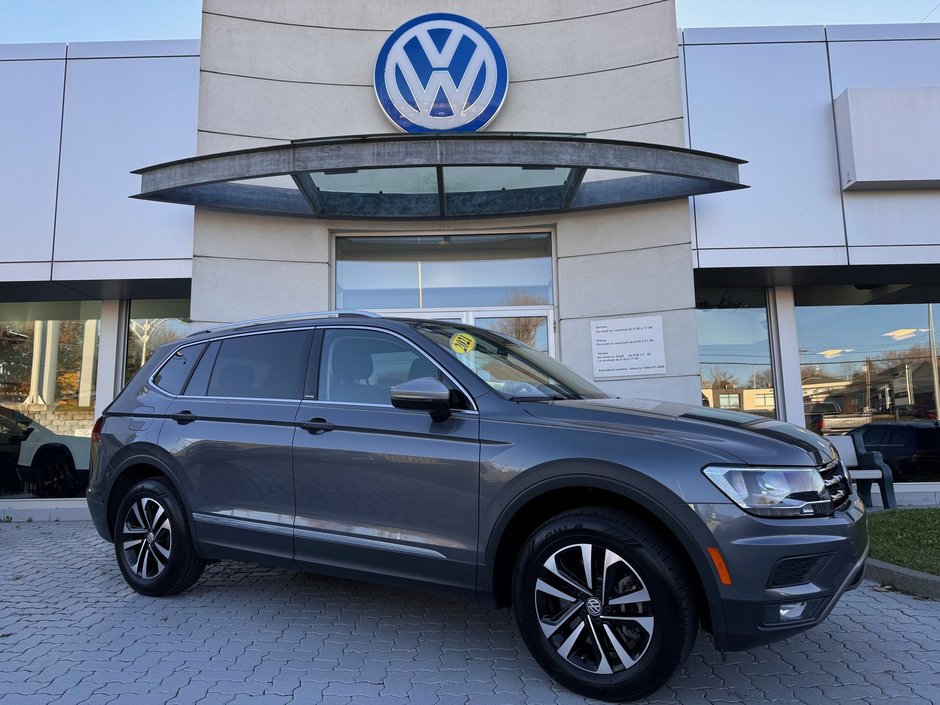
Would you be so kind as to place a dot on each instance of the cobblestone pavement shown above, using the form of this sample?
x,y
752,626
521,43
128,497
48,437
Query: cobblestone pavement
x,y
71,631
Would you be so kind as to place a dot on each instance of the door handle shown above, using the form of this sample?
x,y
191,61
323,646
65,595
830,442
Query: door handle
x,y
317,425
183,417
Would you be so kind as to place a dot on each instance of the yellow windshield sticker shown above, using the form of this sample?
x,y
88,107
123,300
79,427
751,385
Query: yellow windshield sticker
x,y
462,343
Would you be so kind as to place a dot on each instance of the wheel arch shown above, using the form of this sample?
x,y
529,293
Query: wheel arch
x,y
130,469
545,499
47,449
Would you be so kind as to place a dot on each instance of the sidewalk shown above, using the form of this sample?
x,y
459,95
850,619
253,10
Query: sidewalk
x,y
72,632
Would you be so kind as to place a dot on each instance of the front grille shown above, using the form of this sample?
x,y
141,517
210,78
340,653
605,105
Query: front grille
x,y
798,570
837,482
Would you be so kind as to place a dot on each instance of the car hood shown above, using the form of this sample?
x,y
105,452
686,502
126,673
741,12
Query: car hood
x,y
740,437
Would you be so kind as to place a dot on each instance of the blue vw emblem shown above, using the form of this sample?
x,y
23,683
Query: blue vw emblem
x,y
441,72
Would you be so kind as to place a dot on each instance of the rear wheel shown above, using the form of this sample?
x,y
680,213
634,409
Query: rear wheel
x,y
603,604
153,542
54,472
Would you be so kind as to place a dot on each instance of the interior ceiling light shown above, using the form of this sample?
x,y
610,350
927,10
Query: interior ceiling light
x,y
904,333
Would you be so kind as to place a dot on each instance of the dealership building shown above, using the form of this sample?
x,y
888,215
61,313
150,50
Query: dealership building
x,y
740,217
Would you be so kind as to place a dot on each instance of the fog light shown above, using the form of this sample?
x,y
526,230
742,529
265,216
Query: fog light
x,y
792,610
780,613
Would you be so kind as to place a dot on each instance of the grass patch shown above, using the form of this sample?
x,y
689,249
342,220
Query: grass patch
x,y
907,537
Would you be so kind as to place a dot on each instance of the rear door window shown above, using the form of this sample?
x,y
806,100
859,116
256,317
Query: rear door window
x,y
262,366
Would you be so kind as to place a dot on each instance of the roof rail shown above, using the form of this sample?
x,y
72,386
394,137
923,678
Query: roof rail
x,y
294,317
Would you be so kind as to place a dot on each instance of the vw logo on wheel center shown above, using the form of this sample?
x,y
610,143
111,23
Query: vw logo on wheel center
x,y
441,72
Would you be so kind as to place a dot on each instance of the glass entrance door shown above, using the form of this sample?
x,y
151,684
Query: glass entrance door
x,y
533,326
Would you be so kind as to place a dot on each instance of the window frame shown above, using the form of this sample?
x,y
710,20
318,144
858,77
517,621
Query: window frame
x,y
308,343
318,353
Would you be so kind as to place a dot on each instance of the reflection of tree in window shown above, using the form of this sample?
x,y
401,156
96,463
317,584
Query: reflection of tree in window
x,y
522,328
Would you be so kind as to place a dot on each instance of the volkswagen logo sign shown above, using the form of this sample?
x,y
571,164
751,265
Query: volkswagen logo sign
x,y
441,72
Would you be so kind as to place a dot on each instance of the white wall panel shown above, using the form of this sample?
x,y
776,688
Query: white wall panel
x,y
122,114
29,156
890,218
769,104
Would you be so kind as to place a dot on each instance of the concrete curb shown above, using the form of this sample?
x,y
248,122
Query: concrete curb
x,y
911,582
44,510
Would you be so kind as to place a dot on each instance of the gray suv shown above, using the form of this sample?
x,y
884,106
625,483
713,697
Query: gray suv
x,y
441,456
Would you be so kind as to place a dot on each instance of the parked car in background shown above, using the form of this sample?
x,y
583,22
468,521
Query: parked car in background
x,y
910,449
827,418
448,457
11,437
40,461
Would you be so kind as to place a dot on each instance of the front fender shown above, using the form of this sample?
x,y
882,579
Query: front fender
x,y
683,524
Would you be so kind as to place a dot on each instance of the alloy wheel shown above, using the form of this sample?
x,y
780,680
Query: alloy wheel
x,y
147,538
594,609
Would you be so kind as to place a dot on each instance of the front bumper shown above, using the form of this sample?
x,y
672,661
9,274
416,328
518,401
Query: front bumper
x,y
787,574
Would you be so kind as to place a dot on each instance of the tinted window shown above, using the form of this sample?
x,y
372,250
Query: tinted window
x,y
265,366
928,438
874,436
362,366
175,371
198,383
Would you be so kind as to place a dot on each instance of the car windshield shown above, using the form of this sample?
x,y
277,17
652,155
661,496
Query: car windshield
x,y
511,368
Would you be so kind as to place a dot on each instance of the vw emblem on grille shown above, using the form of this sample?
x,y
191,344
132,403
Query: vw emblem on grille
x,y
593,606
441,72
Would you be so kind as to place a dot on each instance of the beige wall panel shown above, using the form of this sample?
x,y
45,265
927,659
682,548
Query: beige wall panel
x,y
644,281
386,15
597,232
533,51
260,237
276,109
236,289
215,142
682,382
670,132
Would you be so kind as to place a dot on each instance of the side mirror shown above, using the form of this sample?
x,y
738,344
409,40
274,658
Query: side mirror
x,y
424,394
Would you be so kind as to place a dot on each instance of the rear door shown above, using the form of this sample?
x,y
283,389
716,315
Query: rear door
x,y
231,433
380,489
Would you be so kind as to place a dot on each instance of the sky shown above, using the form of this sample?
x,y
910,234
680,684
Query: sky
x,y
30,21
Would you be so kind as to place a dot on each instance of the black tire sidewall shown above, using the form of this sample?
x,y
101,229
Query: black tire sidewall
x,y
650,558
181,550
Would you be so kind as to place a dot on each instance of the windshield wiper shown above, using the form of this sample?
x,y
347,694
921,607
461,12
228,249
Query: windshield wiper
x,y
541,397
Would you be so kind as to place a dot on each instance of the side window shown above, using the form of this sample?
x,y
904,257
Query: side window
x,y
874,436
173,375
263,366
362,366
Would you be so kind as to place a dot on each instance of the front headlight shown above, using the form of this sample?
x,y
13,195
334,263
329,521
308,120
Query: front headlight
x,y
773,492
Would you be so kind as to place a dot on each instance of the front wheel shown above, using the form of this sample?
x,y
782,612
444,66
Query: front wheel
x,y
153,542
603,604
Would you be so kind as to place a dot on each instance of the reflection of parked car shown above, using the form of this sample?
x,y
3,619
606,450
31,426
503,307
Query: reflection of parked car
x,y
827,417
50,464
911,449
11,436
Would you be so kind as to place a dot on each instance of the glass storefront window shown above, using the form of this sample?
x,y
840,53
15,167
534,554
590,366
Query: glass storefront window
x,y
734,350
48,366
153,322
444,271
869,362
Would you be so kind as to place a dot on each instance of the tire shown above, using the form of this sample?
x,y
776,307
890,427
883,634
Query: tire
x,y
637,603
54,473
153,542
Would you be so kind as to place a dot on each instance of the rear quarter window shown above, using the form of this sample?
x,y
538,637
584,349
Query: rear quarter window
x,y
172,376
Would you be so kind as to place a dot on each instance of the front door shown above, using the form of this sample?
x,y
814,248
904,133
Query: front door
x,y
381,489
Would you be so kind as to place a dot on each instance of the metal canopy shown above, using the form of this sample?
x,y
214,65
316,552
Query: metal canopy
x,y
439,175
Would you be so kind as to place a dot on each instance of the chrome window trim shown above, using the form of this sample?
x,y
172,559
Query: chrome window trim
x,y
209,341
314,327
